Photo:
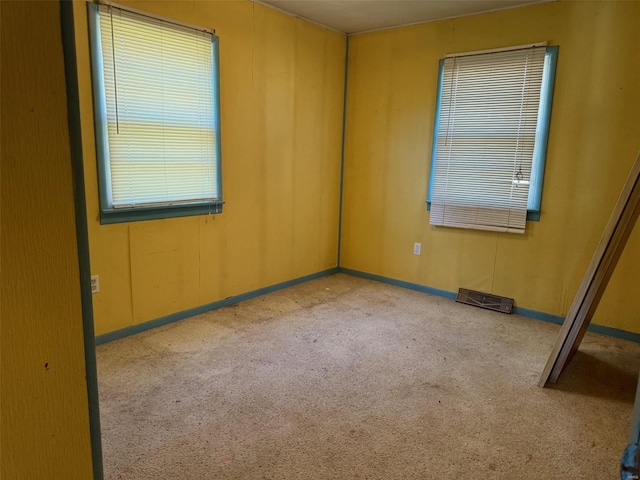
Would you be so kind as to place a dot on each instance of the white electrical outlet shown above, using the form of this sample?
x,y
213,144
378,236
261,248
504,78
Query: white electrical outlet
x,y
417,248
95,283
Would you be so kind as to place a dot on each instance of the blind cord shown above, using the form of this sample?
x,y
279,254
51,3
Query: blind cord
x,y
524,98
113,61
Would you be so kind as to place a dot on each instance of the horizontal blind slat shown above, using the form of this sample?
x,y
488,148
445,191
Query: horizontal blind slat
x,y
160,110
485,142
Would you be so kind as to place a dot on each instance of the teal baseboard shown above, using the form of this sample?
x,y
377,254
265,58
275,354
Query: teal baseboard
x,y
399,283
545,317
174,317
615,332
525,312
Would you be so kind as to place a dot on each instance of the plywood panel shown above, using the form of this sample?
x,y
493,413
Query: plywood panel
x,y
165,267
45,424
596,279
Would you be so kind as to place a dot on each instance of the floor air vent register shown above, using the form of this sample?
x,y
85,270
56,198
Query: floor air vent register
x,y
485,300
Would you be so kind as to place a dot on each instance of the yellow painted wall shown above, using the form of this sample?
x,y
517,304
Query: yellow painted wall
x,y
594,139
282,83
45,425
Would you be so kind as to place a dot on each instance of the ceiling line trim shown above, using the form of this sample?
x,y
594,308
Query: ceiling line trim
x,y
422,22
295,15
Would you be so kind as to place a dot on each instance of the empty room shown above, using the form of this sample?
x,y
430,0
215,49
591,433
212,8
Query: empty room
x,y
348,239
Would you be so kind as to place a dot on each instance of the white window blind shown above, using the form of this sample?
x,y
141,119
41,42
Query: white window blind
x,y
158,87
486,134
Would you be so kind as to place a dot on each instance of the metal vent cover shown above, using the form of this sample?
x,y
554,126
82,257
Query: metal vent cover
x,y
485,300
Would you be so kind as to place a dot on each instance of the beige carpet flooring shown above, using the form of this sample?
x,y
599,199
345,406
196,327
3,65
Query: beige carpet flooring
x,y
345,378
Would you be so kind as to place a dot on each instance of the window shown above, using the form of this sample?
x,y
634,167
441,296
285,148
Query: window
x,y
490,138
157,116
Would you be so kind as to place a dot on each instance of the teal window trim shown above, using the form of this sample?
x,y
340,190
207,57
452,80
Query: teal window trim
x,y
544,120
121,215
215,51
436,128
108,214
540,153
99,107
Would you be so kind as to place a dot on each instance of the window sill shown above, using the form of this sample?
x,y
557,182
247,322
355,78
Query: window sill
x,y
122,215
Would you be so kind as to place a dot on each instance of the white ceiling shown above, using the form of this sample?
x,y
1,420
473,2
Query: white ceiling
x,y
355,16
